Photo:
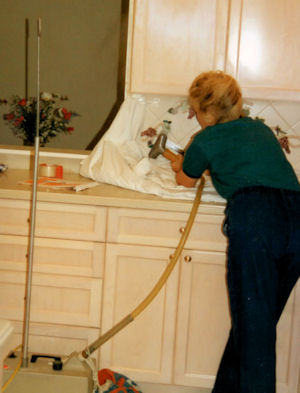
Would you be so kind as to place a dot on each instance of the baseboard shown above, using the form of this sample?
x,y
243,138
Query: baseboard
x,y
147,387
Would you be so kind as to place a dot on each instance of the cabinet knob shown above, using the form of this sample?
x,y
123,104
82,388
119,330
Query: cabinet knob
x,y
182,229
187,258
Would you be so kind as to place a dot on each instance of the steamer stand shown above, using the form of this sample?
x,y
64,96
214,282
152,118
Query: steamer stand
x,y
37,376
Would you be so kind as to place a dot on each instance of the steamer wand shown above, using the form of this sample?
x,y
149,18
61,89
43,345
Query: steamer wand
x,y
33,207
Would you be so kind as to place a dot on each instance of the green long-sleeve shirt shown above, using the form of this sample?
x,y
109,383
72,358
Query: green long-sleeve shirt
x,y
238,154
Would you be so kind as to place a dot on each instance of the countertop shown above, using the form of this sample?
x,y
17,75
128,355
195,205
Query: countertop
x,y
101,195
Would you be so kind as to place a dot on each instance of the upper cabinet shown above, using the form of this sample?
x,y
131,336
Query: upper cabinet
x,y
256,41
173,40
264,47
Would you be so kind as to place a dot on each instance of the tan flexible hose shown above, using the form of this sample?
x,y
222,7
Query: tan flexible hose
x,y
160,283
4,387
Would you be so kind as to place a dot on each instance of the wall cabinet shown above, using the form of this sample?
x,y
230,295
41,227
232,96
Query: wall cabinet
x,y
257,41
264,46
173,41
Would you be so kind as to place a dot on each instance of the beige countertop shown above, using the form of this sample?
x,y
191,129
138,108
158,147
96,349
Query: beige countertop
x,y
101,195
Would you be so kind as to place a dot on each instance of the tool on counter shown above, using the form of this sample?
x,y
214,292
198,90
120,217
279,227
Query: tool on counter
x,y
164,146
3,167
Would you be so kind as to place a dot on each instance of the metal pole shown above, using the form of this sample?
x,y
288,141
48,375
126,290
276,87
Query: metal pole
x,y
33,209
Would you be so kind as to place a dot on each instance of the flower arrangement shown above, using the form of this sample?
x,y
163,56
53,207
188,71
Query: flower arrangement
x,y
54,117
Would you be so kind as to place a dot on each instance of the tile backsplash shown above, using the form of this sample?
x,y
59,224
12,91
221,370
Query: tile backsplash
x,y
284,114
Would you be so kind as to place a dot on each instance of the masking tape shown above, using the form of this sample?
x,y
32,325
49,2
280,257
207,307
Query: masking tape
x,y
51,170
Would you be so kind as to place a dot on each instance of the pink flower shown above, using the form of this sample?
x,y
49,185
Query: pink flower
x,y
66,113
9,116
191,113
19,120
22,102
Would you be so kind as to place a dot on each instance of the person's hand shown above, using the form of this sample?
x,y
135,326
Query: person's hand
x,y
177,163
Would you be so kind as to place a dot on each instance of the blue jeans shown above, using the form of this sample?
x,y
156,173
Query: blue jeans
x,y
263,229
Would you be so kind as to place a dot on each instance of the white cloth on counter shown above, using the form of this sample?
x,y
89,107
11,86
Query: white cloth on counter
x,y
121,156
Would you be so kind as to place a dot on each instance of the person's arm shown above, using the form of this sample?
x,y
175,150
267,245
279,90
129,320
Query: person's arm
x,y
180,177
176,164
184,180
194,161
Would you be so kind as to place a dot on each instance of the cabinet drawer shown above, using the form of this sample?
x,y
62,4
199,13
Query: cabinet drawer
x,y
54,299
55,339
54,220
54,256
134,226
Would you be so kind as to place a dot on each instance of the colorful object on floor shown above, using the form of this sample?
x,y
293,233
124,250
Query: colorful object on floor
x,y
112,382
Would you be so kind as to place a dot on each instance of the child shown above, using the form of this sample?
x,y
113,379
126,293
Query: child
x,y
262,223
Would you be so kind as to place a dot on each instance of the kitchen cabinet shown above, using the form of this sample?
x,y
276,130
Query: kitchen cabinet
x,y
203,318
67,272
54,220
139,243
203,324
173,41
257,41
144,349
264,46
94,262
164,228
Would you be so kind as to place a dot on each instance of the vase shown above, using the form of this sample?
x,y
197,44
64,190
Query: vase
x,y
31,143
26,142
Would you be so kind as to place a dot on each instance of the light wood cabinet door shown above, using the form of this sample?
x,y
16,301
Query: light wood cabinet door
x,y
173,41
144,349
256,41
288,345
203,324
203,320
264,47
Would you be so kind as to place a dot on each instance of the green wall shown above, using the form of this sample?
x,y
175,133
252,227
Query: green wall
x,y
79,49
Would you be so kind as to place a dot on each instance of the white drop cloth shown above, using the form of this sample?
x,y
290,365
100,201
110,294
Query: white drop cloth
x,y
121,156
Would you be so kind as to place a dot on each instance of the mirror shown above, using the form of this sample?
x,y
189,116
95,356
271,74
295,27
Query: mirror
x,y
82,56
